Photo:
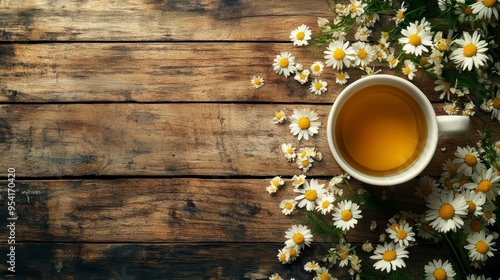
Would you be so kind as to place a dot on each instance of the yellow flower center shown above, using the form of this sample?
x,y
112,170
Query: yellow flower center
x,y
400,15
346,215
472,206
415,39
324,276
452,169
300,35
283,257
293,252
311,195
470,50
468,10
303,154
318,86
441,46
446,211
256,81
276,183
362,54
423,61
341,76
304,123
476,226
302,76
463,181
279,115
316,67
448,183
440,274
489,3
289,150
496,102
339,54
484,186
389,255
482,247
426,190
284,62
393,227
325,204
343,253
488,215
401,234
305,163
298,181
407,70
470,160
288,206
379,54
298,238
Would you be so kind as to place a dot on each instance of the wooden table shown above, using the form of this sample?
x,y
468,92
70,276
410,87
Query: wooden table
x,y
142,151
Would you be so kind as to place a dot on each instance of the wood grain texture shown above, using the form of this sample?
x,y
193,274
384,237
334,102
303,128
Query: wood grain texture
x,y
162,72
155,20
170,210
178,261
166,140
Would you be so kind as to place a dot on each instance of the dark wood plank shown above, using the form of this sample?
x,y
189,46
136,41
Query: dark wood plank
x,y
187,139
183,261
166,210
154,20
161,72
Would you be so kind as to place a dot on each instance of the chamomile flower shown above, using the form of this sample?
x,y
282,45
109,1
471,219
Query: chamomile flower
x,y
317,68
480,246
357,8
415,38
277,182
271,189
289,151
301,35
304,163
257,81
445,211
489,213
362,33
426,187
477,277
403,235
389,257
486,9
342,78
367,246
302,76
293,252
298,236
287,206
326,204
338,54
318,87
310,195
298,180
283,256
475,201
473,225
311,266
495,102
471,51
323,274
467,161
284,63
380,53
445,87
400,14
275,276
343,253
304,123
439,270
451,108
486,182
409,69
346,215
279,117
364,54
393,61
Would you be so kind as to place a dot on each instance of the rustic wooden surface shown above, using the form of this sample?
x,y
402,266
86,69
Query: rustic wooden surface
x,y
141,148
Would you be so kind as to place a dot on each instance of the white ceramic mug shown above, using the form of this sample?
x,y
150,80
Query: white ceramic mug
x,y
405,112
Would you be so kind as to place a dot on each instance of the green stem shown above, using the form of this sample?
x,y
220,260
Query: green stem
x,y
458,257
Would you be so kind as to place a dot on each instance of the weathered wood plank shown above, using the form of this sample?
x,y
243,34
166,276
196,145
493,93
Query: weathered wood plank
x,y
160,72
184,261
154,20
164,140
165,210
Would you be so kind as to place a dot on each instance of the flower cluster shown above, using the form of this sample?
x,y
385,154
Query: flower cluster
x,y
332,201
452,41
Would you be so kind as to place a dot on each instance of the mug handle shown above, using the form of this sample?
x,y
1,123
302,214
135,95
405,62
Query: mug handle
x,y
453,126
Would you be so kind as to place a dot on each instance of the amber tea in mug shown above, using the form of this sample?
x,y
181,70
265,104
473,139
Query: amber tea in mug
x,y
380,130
